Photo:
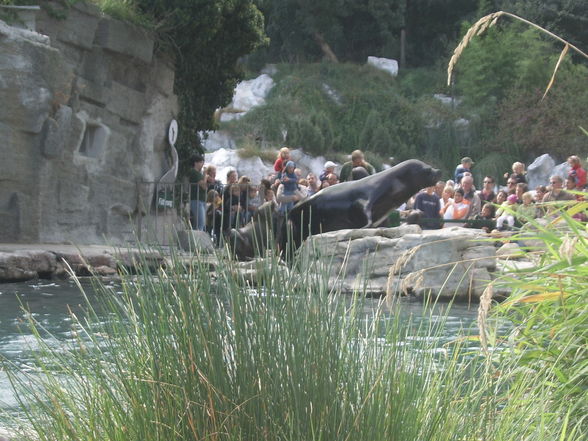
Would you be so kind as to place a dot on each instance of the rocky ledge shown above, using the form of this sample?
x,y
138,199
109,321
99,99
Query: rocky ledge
x,y
26,262
448,263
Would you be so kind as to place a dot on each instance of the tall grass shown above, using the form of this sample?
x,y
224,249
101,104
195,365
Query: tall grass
x,y
548,308
181,355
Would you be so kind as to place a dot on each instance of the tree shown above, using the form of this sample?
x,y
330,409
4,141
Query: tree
x,y
207,38
432,26
567,18
351,29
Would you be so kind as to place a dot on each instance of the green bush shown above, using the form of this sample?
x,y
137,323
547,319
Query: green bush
x,y
504,58
329,108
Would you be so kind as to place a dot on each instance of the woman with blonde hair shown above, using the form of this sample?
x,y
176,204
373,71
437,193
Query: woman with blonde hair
x,y
282,159
577,172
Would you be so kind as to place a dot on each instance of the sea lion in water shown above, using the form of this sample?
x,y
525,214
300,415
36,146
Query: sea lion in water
x,y
363,203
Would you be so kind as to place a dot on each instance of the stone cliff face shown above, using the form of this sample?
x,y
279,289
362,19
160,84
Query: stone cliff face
x,y
84,115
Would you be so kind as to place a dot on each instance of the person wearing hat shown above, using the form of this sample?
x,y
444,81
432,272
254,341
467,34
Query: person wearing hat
x,y
328,169
289,184
357,160
506,213
198,190
464,167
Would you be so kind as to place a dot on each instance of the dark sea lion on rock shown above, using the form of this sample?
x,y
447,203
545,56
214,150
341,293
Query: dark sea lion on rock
x,y
258,235
365,203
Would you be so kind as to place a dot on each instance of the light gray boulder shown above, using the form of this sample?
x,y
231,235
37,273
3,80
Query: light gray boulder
x,y
195,241
446,263
540,170
561,170
385,64
308,163
216,140
510,250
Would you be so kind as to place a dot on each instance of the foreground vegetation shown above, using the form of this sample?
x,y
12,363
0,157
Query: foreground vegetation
x,y
549,309
181,356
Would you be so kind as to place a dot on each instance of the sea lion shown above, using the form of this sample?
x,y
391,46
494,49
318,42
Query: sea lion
x,y
258,235
363,203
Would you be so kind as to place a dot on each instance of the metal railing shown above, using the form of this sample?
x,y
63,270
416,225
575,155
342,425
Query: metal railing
x,y
164,209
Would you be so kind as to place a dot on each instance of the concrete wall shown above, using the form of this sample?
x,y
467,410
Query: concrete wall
x,y
85,108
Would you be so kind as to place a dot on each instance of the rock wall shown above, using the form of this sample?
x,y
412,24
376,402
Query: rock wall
x,y
85,108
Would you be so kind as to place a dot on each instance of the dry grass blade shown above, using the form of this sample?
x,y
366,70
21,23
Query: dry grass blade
x,y
478,28
561,57
567,248
483,309
535,298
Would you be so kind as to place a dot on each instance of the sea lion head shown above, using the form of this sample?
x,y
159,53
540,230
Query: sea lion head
x,y
420,173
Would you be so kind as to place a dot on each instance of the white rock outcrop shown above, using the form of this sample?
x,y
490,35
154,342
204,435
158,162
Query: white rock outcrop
x,y
215,140
225,160
255,168
385,64
248,94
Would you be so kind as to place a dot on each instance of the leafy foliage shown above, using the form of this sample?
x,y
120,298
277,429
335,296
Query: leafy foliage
x,y
502,77
350,107
549,308
567,18
503,58
356,29
207,39
532,125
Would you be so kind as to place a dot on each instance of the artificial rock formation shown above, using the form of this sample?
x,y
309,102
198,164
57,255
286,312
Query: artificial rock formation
x,y
83,121
447,263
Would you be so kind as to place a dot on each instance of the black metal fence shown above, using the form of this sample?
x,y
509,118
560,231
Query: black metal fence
x,y
164,208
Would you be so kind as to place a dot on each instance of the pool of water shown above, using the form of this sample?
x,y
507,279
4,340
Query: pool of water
x,y
52,303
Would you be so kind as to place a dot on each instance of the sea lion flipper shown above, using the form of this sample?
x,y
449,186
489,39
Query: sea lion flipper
x,y
359,212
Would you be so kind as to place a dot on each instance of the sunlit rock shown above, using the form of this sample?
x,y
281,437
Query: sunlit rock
x,y
385,64
446,263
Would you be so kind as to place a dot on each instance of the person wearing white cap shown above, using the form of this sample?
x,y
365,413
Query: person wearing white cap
x,y
328,169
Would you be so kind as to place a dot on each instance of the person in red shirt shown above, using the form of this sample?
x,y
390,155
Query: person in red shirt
x,y
283,158
577,172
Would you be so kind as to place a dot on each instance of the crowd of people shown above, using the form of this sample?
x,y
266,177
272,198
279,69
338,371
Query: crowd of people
x,y
217,207
458,202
